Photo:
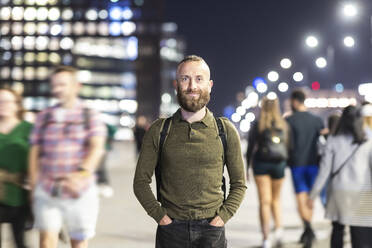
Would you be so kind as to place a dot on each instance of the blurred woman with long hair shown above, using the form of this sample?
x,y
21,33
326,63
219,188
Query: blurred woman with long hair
x,y
14,132
267,151
346,165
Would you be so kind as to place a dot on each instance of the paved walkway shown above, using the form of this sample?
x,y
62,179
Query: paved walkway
x,y
124,224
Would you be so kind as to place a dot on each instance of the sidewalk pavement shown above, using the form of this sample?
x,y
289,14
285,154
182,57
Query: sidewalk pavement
x,y
123,223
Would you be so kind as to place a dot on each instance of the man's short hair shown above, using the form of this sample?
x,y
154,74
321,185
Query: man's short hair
x,y
191,58
64,68
298,95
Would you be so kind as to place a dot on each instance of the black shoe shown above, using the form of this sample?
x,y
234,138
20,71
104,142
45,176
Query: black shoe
x,y
308,238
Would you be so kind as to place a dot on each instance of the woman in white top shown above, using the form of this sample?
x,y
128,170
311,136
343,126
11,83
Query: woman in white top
x,y
347,162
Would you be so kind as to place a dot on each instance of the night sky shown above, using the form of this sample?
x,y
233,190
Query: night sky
x,y
243,39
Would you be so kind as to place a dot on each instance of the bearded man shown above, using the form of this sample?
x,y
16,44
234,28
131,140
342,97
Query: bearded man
x,y
191,210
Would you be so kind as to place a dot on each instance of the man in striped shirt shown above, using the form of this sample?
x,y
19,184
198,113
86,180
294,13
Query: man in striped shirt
x,y
67,145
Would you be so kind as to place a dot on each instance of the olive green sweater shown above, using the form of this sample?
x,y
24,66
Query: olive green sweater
x,y
191,171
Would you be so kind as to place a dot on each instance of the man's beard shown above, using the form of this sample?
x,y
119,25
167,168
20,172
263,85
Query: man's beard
x,y
192,104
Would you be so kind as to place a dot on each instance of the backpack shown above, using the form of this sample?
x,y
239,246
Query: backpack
x,y
271,145
163,135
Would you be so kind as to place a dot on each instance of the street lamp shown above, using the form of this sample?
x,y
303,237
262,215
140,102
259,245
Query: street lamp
x,y
298,76
285,63
321,62
349,41
350,10
283,87
273,76
312,41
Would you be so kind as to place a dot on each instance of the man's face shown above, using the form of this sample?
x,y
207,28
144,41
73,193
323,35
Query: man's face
x,y
64,86
193,85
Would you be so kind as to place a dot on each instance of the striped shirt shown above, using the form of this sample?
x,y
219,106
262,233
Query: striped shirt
x,y
63,136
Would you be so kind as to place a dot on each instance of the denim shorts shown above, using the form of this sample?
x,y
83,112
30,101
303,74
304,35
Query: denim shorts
x,y
79,214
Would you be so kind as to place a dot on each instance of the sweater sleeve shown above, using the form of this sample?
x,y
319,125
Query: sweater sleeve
x,y
145,169
235,168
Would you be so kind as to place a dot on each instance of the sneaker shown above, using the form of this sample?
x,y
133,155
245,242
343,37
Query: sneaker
x,y
266,243
278,236
105,191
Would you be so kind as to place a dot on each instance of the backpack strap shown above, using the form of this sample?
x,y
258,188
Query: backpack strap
x,y
163,135
222,135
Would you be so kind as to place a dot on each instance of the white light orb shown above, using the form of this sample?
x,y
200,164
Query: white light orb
x,y
91,14
261,87
283,87
66,43
272,95
244,126
128,28
42,14
54,14
236,117
166,98
312,41
240,110
321,62
298,76
273,76
250,116
350,10
286,63
349,41
30,14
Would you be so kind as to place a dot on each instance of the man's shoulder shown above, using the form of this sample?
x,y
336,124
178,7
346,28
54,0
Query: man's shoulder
x,y
156,126
226,122
302,115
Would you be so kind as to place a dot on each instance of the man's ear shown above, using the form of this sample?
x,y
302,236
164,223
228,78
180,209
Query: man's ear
x,y
211,83
175,84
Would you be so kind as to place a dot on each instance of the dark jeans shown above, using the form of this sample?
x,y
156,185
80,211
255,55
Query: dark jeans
x,y
16,216
361,237
190,234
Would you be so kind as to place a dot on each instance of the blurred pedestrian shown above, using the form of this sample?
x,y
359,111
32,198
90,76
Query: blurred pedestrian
x,y
367,119
67,145
104,185
190,209
140,130
332,122
346,165
14,147
268,152
305,129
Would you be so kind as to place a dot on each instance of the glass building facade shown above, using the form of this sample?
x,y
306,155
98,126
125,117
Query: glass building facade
x,y
125,54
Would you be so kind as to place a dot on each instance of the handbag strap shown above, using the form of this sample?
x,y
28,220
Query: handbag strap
x,y
344,163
